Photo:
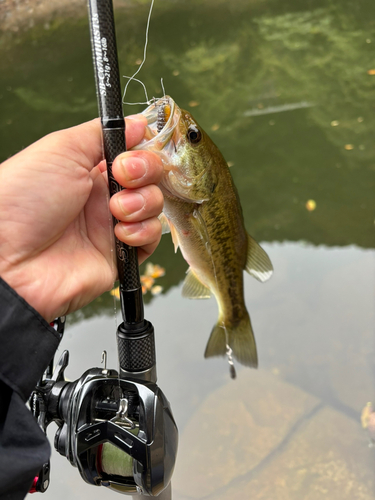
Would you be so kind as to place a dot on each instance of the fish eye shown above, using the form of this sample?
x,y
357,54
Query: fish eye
x,y
194,135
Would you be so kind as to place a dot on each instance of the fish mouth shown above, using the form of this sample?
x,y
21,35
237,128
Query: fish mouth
x,y
162,118
163,136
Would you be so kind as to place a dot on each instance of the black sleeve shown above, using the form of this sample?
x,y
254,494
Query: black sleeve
x,y
27,345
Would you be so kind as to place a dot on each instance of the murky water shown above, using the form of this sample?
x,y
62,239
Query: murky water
x,y
286,91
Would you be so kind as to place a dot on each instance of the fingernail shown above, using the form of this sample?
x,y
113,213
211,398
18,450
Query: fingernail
x,y
131,203
134,168
129,229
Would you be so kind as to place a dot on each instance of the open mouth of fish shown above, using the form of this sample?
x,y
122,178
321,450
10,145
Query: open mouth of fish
x,y
162,118
163,136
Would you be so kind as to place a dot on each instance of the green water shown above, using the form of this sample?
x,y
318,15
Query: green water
x,y
283,89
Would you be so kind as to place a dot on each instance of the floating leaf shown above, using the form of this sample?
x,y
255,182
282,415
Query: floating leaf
x,y
147,281
156,290
193,104
115,292
154,270
349,147
311,205
365,416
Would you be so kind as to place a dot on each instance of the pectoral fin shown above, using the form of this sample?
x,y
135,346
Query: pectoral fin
x,y
168,227
258,263
164,224
193,288
174,237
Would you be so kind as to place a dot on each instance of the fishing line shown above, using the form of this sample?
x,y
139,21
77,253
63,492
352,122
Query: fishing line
x,y
162,86
114,270
144,88
113,256
142,63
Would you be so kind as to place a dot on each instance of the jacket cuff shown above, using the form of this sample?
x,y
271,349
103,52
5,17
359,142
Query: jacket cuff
x,y
27,341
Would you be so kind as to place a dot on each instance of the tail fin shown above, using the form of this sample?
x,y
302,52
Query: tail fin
x,y
240,339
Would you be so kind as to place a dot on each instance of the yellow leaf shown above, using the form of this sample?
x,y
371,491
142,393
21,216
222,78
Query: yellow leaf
x,y
365,416
115,292
155,271
311,205
147,281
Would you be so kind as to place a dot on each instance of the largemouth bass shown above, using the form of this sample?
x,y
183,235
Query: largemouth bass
x,y
203,212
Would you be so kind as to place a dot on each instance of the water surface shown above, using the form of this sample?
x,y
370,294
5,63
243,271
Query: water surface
x,y
286,91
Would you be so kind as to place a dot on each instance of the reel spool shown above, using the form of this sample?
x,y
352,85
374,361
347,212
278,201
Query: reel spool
x,y
119,433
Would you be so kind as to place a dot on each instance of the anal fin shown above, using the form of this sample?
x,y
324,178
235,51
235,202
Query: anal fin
x,y
193,288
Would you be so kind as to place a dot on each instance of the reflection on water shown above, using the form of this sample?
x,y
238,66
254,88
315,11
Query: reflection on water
x,y
286,91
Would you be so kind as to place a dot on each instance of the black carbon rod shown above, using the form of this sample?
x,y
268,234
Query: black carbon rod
x,y
108,89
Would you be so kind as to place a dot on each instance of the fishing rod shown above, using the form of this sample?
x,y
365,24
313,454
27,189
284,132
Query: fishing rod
x,y
117,428
134,334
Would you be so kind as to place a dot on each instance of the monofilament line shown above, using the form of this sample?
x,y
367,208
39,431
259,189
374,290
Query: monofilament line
x,y
144,88
142,63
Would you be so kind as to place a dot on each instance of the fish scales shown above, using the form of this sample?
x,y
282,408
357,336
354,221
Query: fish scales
x,y
203,212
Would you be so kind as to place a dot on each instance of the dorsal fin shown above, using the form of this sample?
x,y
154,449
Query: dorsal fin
x,y
193,288
258,263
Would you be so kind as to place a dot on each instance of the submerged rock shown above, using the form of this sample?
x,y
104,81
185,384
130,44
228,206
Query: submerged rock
x,y
262,438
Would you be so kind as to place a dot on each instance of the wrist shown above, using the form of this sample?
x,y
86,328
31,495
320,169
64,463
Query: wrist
x,y
17,279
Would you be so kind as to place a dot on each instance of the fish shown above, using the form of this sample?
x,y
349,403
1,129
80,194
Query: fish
x,y
202,211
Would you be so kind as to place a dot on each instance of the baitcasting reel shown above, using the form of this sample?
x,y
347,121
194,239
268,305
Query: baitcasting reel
x,y
118,431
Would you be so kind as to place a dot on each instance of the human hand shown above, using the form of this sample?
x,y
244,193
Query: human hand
x,y
56,235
